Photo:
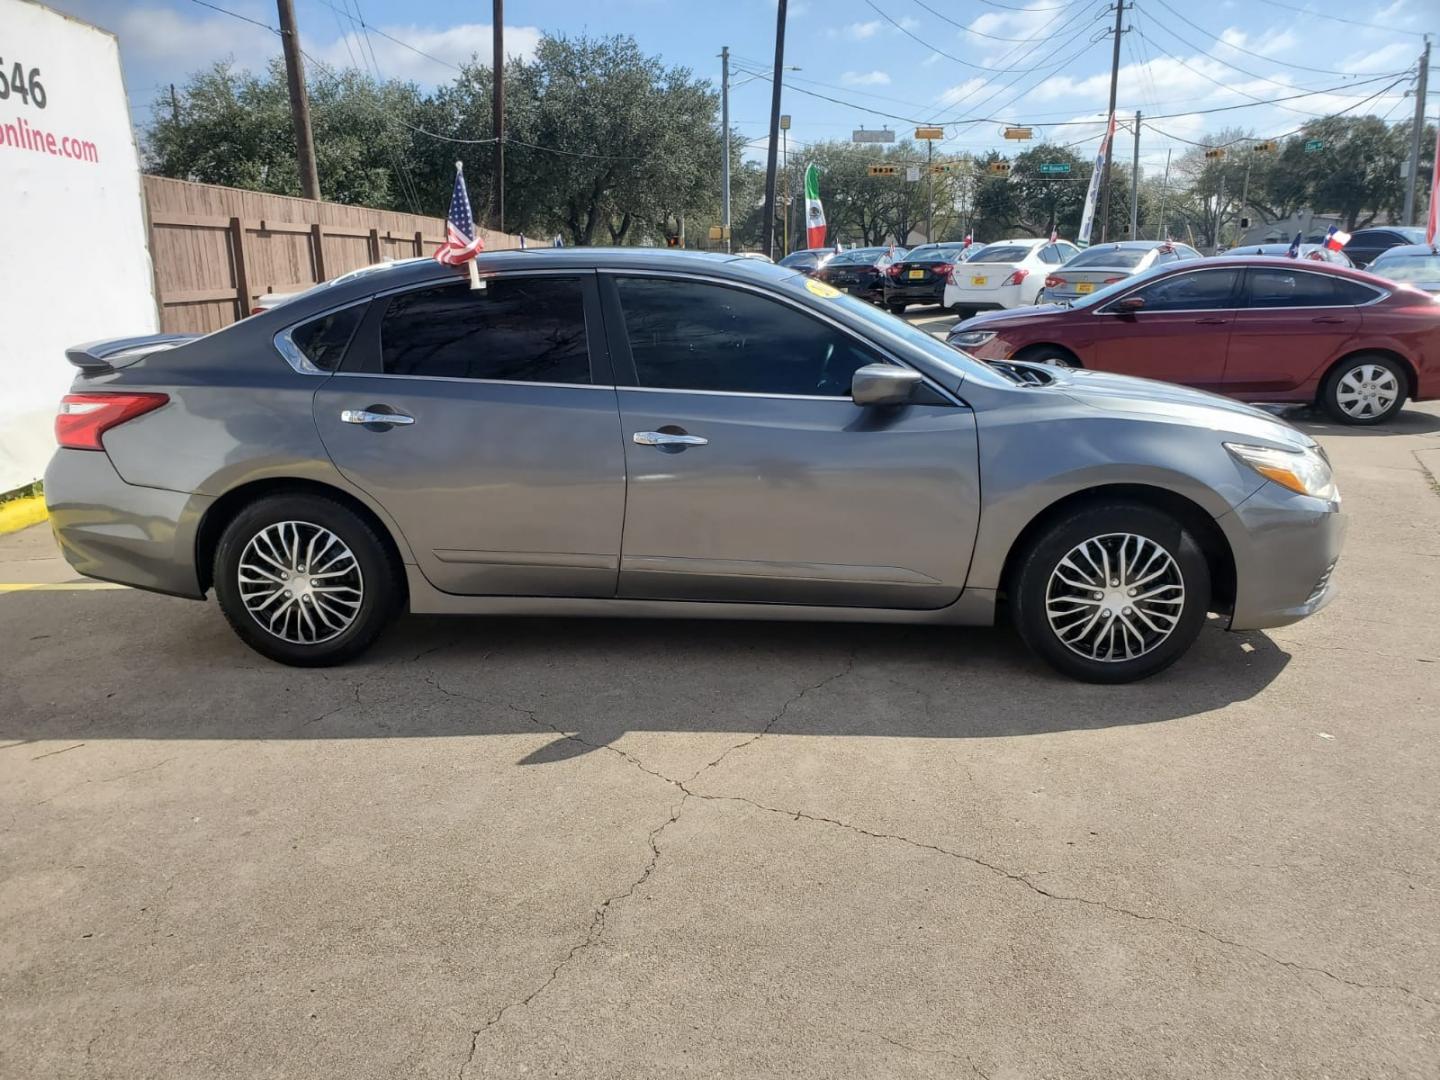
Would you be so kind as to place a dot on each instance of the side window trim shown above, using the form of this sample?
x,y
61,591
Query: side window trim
x,y
363,356
1237,293
626,377
1245,304
295,356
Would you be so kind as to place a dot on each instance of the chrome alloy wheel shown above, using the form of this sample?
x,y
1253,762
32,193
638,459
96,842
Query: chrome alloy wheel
x,y
1367,391
300,582
1115,597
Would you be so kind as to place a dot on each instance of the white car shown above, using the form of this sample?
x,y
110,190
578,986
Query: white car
x,y
1006,274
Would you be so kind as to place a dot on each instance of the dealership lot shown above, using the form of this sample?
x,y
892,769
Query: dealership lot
x,y
607,848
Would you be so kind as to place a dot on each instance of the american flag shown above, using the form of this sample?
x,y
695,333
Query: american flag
x,y
461,241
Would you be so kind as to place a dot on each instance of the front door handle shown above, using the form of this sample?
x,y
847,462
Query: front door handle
x,y
366,416
1331,319
1211,322
666,440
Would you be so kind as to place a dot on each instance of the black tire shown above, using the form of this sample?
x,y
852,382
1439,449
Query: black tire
x,y
1049,354
896,308
381,584
1029,585
1368,370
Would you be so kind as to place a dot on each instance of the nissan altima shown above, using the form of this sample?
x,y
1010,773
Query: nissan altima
x,y
650,433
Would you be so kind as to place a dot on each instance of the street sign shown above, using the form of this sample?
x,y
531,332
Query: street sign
x,y
1054,168
862,135
1000,168
929,133
784,121
884,170
1215,152
1018,133
912,173
1312,145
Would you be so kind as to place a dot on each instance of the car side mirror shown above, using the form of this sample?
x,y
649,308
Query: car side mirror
x,y
884,384
1130,303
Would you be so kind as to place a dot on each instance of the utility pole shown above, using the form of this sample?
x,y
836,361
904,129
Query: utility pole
x,y
174,105
929,191
1110,151
1219,216
1417,134
725,145
299,101
767,242
497,73
1164,192
1135,183
785,169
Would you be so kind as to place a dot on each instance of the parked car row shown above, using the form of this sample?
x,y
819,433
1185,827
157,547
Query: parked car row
x,y
1255,328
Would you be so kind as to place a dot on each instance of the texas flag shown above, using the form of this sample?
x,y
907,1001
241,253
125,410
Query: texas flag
x,y
1335,239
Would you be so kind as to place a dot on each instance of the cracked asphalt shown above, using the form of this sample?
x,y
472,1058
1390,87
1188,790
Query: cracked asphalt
x,y
624,849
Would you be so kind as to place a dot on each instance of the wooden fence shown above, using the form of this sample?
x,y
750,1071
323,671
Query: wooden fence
x,y
216,249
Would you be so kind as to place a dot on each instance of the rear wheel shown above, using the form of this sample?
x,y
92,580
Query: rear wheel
x,y
1114,593
1364,389
304,580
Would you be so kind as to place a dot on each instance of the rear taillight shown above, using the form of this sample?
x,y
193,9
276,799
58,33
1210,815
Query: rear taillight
x,y
894,270
942,269
1017,277
256,310
84,418
1112,280
1053,282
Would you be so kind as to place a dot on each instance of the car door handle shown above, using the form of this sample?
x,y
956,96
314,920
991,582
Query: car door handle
x,y
1328,319
365,416
664,439
1212,322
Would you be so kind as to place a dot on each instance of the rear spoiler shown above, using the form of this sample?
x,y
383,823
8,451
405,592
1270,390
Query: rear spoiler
x,y
98,357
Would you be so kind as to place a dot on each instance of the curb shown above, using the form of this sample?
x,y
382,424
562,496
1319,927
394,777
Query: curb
x,y
20,514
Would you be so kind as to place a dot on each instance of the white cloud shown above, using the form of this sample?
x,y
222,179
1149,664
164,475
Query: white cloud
x,y
166,39
1393,57
453,45
960,92
864,31
865,78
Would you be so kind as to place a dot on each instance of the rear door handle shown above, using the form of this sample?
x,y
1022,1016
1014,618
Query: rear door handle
x,y
365,416
1212,322
665,440
1328,319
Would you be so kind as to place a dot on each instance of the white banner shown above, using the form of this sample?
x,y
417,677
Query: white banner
x,y
1087,216
76,265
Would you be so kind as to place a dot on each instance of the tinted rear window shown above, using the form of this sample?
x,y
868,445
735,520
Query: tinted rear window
x,y
1002,253
1126,258
860,256
324,340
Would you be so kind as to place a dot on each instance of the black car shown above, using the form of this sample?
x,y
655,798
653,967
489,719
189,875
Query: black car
x,y
1365,244
808,260
919,277
861,271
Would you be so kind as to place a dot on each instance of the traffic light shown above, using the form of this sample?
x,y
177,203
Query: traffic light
x,y
1000,168
884,170
1215,152
1266,147
672,241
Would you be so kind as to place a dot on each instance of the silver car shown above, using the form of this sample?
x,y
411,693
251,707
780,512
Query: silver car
x,y
1105,264
650,433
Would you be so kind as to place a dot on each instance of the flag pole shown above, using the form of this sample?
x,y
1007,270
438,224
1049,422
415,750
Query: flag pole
x,y
470,262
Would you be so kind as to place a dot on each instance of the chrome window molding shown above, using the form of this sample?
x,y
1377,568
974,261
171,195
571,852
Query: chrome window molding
x,y
1380,294
470,382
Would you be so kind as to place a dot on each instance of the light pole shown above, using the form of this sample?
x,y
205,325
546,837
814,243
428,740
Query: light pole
x,y
725,145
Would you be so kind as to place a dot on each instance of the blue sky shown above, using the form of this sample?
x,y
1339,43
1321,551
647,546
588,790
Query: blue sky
x,y
974,64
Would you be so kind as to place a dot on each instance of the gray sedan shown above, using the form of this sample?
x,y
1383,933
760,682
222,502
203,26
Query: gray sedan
x,y
1105,264
645,433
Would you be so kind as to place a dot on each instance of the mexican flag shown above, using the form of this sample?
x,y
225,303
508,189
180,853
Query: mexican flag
x,y
814,211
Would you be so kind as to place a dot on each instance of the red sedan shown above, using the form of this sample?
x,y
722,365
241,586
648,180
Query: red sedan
x,y
1257,329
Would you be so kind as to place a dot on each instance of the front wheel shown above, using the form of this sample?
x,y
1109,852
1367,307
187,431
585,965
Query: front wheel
x,y
1364,390
1112,594
304,580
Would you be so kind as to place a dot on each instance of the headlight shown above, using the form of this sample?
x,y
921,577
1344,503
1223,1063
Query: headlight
x,y
969,339
1305,472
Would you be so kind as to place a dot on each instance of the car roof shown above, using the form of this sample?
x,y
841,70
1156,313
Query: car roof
x,y
1409,249
1134,244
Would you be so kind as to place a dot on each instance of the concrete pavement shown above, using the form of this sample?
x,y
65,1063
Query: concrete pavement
x,y
621,849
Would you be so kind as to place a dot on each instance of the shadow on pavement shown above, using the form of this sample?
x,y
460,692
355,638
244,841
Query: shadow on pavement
x,y
156,668
1314,421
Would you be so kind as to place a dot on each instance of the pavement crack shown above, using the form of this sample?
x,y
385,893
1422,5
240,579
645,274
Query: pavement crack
x,y
594,935
52,753
960,1059
779,715
355,695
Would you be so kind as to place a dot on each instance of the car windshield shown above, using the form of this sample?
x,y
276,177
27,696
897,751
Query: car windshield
x,y
858,256
1002,253
928,254
1412,235
1407,267
1108,255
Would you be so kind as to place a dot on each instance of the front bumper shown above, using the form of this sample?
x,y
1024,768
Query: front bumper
x,y
1285,548
114,531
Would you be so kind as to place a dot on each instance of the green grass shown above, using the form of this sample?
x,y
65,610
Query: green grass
x,y
37,488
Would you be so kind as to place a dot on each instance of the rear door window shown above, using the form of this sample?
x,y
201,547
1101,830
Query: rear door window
x,y
1286,288
517,329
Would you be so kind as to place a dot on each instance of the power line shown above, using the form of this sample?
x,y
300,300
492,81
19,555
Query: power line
x,y
237,15
359,20
980,33
1247,52
935,48
1337,18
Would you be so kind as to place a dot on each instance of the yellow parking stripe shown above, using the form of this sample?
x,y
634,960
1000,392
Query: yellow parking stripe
x,y
59,586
